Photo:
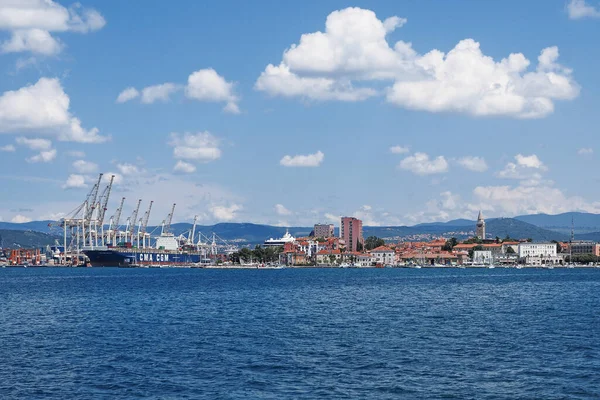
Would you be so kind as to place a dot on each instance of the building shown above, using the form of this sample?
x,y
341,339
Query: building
x,y
585,248
329,257
351,232
323,230
383,255
537,250
483,257
480,227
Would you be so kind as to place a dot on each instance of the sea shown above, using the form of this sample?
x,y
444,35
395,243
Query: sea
x,y
110,333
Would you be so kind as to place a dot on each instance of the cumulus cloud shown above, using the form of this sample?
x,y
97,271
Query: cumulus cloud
x,y
31,22
43,108
421,164
128,169
160,92
34,144
585,151
281,210
184,167
8,148
127,94
75,181
76,153
208,85
20,219
225,213
85,167
352,59
578,9
399,149
525,168
43,156
310,160
201,147
472,163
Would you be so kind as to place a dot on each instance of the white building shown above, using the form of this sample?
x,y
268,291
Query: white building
x,y
482,257
537,250
383,255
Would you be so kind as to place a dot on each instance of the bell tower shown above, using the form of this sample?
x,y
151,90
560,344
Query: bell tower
x,y
480,231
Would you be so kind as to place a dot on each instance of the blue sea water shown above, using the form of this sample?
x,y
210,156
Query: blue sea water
x,y
299,333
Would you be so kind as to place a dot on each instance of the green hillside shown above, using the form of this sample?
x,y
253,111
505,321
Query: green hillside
x,y
10,239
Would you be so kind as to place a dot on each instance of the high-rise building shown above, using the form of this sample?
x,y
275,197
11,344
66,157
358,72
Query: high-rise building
x,y
351,232
323,230
480,230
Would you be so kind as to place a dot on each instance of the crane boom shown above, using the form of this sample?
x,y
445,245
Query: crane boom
x,y
116,218
193,230
167,228
133,219
104,201
146,218
91,200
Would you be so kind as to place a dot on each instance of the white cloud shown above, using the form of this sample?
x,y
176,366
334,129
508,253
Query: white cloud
x,y
160,92
352,59
8,148
531,161
281,210
128,169
580,9
34,144
336,219
184,167
472,163
43,108
421,164
127,94
310,160
33,40
75,181
399,149
585,151
76,154
201,147
31,21
224,213
208,85
85,167
43,156
20,219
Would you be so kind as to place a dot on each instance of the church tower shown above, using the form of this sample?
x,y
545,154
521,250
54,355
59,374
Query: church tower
x,y
480,231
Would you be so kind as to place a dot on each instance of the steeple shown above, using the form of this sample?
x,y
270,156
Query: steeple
x,y
480,226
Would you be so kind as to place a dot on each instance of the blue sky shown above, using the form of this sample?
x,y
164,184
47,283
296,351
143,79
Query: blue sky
x,y
401,112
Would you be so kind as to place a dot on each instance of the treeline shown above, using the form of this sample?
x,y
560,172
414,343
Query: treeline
x,y
259,254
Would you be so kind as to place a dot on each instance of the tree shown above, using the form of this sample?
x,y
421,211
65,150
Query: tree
x,y
472,251
450,243
510,250
558,246
359,246
373,242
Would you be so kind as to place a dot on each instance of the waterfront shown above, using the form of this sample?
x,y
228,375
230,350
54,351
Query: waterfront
x,y
299,333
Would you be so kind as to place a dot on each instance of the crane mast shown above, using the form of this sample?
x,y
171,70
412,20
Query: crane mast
x,y
144,225
133,219
104,200
167,226
193,235
91,200
114,224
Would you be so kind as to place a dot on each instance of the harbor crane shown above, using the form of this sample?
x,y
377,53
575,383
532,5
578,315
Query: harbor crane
x,y
166,230
103,203
113,226
133,220
144,225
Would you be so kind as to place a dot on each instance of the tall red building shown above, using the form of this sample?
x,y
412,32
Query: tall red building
x,y
351,232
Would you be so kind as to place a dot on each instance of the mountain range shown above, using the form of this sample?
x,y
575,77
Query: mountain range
x,y
539,227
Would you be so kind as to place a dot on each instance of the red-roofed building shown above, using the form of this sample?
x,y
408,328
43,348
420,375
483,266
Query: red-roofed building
x,y
383,255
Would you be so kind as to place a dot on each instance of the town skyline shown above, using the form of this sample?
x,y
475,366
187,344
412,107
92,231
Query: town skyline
x,y
237,124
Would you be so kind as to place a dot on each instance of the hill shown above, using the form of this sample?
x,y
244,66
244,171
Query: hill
x,y
515,228
583,222
25,239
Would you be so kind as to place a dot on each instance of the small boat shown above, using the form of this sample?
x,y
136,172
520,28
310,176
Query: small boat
x,y
491,267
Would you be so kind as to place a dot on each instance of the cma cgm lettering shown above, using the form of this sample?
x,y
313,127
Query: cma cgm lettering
x,y
145,257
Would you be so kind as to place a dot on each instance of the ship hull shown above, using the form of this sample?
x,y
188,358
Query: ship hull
x,y
124,258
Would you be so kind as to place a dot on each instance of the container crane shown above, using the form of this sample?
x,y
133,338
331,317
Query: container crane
x,y
103,202
144,225
167,225
114,222
133,219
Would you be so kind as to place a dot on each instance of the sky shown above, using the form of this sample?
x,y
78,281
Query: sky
x,y
286,113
